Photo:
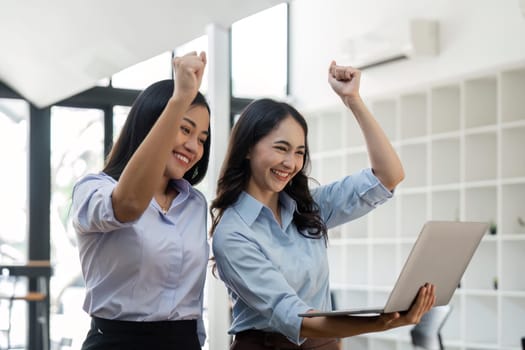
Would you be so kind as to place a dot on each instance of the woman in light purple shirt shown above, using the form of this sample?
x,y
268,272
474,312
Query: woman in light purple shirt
x,y
269,229
141,226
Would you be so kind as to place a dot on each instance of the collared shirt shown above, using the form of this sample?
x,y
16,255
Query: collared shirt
x,y
151,269
273,272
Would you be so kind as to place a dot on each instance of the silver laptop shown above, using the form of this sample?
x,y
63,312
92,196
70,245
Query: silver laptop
x,y
439,256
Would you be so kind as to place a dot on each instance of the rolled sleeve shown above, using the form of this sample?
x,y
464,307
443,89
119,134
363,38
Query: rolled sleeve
x,y
350,198
258,283
92,205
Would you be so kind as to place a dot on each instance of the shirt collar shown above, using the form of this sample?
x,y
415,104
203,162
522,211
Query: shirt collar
x,y
183,187
249,208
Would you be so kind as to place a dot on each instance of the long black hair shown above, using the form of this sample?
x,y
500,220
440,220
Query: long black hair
x,y
144,112
256,121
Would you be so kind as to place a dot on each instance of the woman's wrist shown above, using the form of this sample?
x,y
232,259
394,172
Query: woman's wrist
x,y
178,101
352,101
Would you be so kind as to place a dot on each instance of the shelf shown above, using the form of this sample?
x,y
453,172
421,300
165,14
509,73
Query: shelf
x,y
512,264
413,214
385,112
357,228
512,101
316,168
513,237
446,205
355,271
480,292
345,299
461,144
480,156
485,129
513,209
413,114
384,271
331,133
512,158
481,313
337,257
414,159
481,204
445,110
335,234
481,101
482,271
384,220
513,321
445,161
355,162
406,248
314,139
331,169
352,133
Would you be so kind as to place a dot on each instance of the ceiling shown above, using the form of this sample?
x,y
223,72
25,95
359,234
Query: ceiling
x,y
51,50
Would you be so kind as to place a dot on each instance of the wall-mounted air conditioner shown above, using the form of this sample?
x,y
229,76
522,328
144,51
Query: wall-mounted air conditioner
x,y
419,37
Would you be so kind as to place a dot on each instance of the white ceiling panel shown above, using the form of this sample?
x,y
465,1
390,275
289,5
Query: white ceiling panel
x,y
51,50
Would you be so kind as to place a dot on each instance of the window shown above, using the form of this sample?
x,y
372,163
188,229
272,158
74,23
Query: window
x,y
143,74
14,115
77,148
120,114
259,54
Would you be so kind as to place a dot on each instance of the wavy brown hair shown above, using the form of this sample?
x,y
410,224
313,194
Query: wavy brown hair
x,y
256,121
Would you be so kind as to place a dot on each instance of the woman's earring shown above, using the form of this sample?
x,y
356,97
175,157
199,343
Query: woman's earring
x,y
195,173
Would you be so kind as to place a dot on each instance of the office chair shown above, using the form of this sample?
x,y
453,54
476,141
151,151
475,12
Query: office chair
x,y
426,334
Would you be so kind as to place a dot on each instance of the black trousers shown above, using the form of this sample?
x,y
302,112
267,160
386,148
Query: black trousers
x,y
160,335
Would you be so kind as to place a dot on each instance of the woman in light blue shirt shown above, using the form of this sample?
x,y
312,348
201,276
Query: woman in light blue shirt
x,y
269,229
141,226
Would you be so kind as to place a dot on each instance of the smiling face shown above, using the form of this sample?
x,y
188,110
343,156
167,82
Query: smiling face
x,y
275,160
189,140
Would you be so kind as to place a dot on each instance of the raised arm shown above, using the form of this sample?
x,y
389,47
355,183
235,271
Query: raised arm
x,y
347,326
383,158
143,173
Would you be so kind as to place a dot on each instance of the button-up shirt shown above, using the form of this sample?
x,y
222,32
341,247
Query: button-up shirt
x,y
272,271
151,269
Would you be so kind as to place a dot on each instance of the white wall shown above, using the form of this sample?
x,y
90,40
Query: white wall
x,y
475,35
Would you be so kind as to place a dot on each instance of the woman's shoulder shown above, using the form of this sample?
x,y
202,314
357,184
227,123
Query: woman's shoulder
x,y
197,194
229,218
188,191
95,178
230,233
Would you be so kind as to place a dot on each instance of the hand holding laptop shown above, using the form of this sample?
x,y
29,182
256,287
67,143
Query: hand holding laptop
x,y
350,325
424,302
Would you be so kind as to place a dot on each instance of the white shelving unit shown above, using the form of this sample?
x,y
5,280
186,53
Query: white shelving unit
x,y
462,144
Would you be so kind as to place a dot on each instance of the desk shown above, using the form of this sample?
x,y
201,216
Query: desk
x,y
38,272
